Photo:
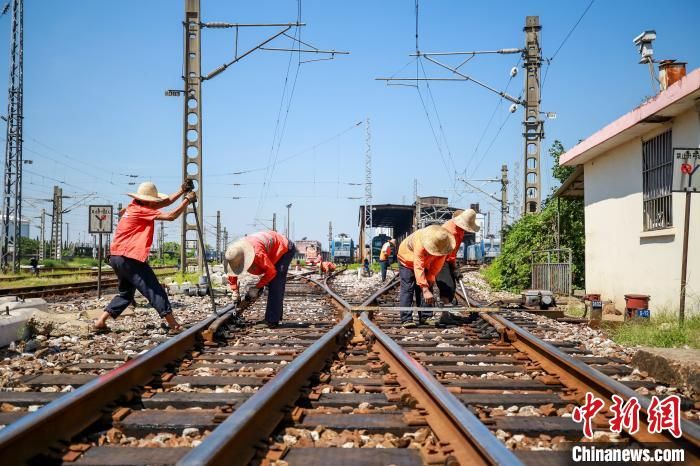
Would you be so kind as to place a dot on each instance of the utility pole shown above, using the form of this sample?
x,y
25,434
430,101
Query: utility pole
x,y
225,233
330,240
42,235
417,200
274,221
368,221
12,193
192,114
504,200
218,235
516,203
57,223
289,232
532,123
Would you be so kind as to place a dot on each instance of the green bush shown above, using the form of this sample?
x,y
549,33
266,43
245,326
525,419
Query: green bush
x,y
512,269
662,330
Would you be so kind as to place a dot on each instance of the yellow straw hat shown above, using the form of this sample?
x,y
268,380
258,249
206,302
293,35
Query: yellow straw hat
x,y
147,192
436,240
240,256
467,221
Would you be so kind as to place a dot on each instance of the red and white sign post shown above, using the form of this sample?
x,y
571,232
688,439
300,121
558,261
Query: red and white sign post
x,y
100,222
686,162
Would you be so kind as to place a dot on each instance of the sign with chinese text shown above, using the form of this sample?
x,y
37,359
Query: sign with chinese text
x,y
686,169
100,220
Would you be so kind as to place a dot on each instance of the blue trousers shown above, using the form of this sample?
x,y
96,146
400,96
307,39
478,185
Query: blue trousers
x,y
135,275
409,289
275,289
383,266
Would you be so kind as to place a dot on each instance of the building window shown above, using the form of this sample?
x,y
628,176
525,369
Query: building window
x,y
657,172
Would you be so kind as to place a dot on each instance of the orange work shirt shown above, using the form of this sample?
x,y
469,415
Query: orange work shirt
x,y
327,266
134,234
386,252
458,233
269,247
414,256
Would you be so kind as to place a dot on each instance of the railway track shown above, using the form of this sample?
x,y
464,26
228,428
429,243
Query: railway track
x,y
69,288
66,272
328,378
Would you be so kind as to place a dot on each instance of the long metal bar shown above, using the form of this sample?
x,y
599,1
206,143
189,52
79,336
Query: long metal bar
x,y
202,246
684,258
574,373
73,412
482,447
476,52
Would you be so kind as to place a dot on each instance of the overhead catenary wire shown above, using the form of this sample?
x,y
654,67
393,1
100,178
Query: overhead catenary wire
x,y
566,38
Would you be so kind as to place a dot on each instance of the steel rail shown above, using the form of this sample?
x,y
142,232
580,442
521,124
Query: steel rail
x,y
71,413
577,374
452,418
234,441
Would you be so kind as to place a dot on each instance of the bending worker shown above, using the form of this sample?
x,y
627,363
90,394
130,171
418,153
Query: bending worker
x,y
130,248
462,221
269,254
386,255
421,256
326,268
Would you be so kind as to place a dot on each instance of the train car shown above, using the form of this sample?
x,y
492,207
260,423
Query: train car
x,y
492,249
475,254
343,249
377,243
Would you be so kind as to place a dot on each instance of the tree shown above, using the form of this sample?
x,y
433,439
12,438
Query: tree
x,y
511,270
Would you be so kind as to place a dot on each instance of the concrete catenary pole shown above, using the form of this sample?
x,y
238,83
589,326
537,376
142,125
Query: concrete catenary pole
x,y
532,123
42,235
57,223
504,200
192,129
218,235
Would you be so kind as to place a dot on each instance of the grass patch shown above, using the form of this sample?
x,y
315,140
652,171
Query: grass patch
x,y
661,331
40,281
180,278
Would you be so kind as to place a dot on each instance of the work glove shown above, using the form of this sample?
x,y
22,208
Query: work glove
x,y
191,196
187,185
252,294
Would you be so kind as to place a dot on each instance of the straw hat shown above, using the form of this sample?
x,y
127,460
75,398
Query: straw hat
x,y
240,256
436,240
147,192
467,221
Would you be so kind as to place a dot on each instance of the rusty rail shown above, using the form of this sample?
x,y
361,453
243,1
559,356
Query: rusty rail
x,y
579,375
73,412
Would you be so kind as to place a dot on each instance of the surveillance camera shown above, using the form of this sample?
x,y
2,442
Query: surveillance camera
x,y
513,108
646,36
513,71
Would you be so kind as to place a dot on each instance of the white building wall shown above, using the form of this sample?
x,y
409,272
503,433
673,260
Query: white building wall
x,y
620,257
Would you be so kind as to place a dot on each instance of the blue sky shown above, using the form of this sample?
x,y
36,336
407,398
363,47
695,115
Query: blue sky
x,y
95,73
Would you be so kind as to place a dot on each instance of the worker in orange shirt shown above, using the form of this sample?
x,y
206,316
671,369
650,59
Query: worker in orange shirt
x,y
421,256
130,248
449,276
268,254
385,256
326,268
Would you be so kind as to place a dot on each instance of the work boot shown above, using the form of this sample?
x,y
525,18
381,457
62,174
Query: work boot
x,y
430,321
263,324
408,324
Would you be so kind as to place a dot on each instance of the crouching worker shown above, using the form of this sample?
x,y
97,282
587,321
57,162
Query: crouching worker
x,y
130,248
268,254
421,256
449,276
326,268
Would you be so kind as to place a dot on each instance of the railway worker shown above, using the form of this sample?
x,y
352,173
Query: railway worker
x,y
463,221
268,254
130,248
421,256
385,256
326,268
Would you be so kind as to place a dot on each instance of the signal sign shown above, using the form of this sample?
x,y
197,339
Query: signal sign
x,y
686,162
100,220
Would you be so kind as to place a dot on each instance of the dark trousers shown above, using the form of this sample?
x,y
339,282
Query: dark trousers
x,y
383,266
446,283
275,289
134,275
409,289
